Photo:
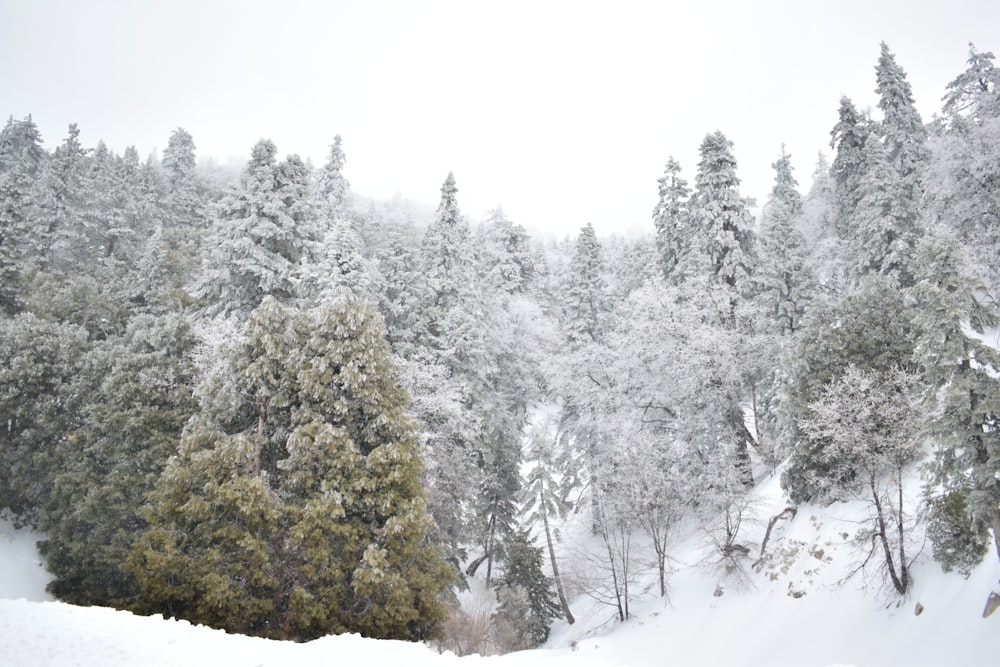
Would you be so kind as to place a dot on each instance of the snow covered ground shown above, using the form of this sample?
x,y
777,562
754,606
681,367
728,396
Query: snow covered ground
x,y
759,622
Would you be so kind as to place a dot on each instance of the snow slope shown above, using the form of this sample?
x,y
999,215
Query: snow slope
x,y
756,622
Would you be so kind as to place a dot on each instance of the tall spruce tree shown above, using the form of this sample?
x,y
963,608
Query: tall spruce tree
x,y
848,139
784,278
670,218
722,225
962,392
264,233
585,303
22,161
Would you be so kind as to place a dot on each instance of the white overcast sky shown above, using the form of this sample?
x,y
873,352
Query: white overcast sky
x,y
563,112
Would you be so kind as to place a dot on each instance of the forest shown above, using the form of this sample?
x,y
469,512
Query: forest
x,y
264,403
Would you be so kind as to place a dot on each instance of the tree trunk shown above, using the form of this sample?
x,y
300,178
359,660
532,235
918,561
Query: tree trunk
x,y
555,566
259,444
898,583
995,522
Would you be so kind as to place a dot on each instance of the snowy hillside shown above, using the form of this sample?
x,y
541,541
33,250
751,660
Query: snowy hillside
x,y
793,611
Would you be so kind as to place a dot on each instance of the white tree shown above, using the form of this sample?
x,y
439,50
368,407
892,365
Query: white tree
x,y
868,422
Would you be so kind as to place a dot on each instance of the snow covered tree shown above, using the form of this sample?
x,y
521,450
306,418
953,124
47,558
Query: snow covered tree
x,y
974,94
869,328
670,218
784,278
22,161
902,129
527,603
848,139
868,423
543,497
883,233
62,197
129,427
721,222
332,187
963,393
264,233
42,388
507,258
318,474
585,303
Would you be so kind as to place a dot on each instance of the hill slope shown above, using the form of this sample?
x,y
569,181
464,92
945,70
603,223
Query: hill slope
x,y
755,621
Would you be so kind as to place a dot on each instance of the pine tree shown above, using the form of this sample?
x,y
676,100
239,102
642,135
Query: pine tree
x,y
905,141
585,299
506,256
42,389
868,424
670,218
22,161
332,187
527,604
784,278
963,394
974,95
868,328
129,427
265,232
848,139
318,474
721,222
543,498
61,203
902,129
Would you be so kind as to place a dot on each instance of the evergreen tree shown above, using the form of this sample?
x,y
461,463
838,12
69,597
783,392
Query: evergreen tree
x,y
848,138
543,498
670,218
264,233
507,259
868,424
869,329
784,278
585,299
962,390
319,476
129,427
42,388
62,200
902,130
722,225
22,161
526,601
332,187
974,94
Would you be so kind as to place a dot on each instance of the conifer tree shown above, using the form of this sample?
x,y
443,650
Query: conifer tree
x,y
784,278
543,498
264,233
902,129
129,427
525,593
963,393
848,139
670,218
22,161
722,226
974,94
585,301
319,475
332,187
42,388
61,202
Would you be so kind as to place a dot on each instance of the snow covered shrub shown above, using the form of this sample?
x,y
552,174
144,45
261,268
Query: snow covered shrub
x,y
959,543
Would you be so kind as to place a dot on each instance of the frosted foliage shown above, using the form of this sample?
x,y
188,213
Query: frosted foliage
x,y
264,234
